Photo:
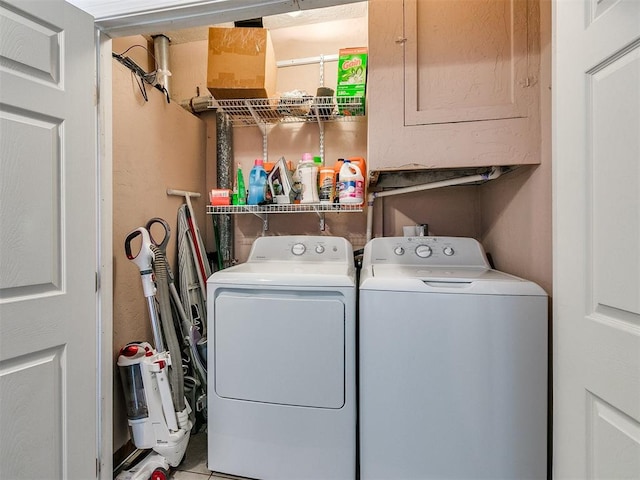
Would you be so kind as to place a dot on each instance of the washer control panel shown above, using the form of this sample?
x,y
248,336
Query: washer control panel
x,y
449,251
301,248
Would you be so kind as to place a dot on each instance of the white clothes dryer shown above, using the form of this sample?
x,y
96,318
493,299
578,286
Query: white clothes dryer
x,y
282,360
453,364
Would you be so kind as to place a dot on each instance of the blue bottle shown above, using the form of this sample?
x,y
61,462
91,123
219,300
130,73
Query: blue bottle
x,y
257,183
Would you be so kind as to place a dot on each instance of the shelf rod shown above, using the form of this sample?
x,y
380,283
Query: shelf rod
x,y
261,126
321,140
265,220
306,61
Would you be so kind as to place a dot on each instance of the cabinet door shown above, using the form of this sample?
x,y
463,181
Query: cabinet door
x,y
465,60
453,83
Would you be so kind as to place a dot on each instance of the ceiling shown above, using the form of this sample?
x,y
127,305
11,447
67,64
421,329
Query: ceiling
x,y
118,18
283,20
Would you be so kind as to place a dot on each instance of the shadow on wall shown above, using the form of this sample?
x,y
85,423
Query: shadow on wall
x,y
516,223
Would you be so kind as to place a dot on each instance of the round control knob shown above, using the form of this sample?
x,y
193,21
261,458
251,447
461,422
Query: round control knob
x,y
319,249
448,251
398,251
298,249
423,251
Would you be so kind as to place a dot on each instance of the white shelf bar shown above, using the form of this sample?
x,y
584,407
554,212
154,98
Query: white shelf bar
x,y
263,211
306,61
265,111
283,208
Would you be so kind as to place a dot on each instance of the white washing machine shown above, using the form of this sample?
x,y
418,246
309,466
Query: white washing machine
x,y
282,360
453,364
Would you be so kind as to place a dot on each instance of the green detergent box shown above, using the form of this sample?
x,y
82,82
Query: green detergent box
x,y
352,81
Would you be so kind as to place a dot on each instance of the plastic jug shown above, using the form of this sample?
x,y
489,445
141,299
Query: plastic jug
x,y
351,184
361,164
308,173
257,183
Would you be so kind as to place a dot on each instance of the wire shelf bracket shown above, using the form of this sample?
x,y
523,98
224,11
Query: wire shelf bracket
x,y
263,211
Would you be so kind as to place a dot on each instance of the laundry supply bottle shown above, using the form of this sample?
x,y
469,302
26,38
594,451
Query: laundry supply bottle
x,y
242,192
362,165
326,184
336,168
257,183
308,173
351,184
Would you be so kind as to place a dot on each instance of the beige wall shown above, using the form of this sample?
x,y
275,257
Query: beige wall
x,y
155,146
516,208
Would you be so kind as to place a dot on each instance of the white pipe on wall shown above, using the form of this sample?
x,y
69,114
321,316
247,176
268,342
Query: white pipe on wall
x,y
493,174
306,61
161,53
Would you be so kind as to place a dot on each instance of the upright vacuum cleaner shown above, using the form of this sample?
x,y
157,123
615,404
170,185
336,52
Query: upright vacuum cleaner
x,y
157,411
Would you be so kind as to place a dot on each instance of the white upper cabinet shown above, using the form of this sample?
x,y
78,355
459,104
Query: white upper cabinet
x,y
453,83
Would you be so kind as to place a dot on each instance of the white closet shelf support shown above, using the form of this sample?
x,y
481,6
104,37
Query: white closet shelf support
x,y
263,211
271,111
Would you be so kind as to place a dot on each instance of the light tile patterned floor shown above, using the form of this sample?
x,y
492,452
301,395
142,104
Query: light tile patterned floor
x,y
194,465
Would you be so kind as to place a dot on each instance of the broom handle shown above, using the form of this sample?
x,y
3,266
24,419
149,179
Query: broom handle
x,y
202,274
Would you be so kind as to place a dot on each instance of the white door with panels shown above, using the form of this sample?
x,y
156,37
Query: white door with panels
x,y
596,239
48,242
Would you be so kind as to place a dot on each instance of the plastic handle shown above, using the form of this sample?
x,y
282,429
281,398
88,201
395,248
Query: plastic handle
x,y
166,232
144,257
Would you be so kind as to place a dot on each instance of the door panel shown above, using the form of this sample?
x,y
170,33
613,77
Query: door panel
x,y
48,328
30,255
597,240
30,46
614,441
291,353
465,60
615,176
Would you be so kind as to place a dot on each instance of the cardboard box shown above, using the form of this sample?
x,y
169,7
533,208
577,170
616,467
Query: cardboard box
x,y
241,63
352,81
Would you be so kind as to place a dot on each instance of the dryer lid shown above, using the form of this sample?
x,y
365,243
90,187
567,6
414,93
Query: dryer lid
x,y
287,273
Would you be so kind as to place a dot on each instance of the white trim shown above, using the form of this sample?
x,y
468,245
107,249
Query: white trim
x,y
105,246
175,15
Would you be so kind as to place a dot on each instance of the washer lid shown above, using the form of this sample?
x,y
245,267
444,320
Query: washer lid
x,y
459,280
427,272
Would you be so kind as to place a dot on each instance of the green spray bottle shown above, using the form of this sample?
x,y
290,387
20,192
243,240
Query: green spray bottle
x,y
242,191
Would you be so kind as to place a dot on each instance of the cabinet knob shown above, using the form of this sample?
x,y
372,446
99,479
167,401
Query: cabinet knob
x,y
401,40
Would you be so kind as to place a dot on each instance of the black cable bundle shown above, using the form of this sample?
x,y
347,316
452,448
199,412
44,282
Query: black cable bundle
x,y
140,75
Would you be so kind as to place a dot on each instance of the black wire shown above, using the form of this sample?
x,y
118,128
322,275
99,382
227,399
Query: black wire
x,y
155,62
141,76
140,83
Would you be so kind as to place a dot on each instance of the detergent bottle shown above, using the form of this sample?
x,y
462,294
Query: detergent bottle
x,y
257,183
308,173
351,184
242,192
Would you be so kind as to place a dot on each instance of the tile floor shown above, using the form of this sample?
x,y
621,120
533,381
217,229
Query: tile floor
x,y
194,465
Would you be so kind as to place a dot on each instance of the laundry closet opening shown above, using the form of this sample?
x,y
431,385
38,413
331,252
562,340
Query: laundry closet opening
x,y
159,146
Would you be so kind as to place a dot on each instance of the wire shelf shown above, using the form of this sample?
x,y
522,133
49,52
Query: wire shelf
x,y
282,208
256,111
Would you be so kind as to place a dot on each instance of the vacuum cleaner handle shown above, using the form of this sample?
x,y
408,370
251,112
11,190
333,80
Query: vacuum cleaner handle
x,y
143,259
166,233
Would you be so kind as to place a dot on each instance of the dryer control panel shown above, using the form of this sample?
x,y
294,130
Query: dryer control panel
x,y
302,248
432,251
